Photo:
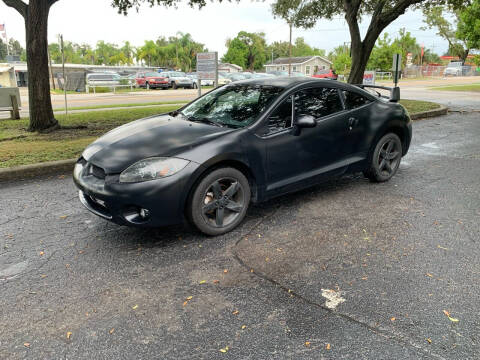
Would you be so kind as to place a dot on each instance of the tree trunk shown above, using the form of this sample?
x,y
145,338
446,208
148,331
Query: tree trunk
x,y
360,55
40,104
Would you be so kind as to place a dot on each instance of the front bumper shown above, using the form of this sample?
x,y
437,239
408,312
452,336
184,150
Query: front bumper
x,y
161,202
159,85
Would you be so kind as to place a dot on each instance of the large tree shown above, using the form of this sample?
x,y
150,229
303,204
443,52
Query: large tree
x,y
247,50
35,14
380,12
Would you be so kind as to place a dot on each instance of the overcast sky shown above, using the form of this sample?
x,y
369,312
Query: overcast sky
x,y
88,21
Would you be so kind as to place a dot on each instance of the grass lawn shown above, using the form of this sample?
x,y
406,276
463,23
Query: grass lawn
x,y
19,147
32,148
91,107
415,106
467,87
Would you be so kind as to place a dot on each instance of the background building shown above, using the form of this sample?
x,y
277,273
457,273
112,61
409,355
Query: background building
x,y
307,65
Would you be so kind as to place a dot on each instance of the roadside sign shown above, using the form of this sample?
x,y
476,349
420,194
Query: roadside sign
x,y
207,65
397,66
369,78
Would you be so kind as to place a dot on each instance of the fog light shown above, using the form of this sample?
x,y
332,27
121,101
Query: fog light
x,y
144,213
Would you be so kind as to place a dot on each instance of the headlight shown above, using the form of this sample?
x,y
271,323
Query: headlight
x,y
152,168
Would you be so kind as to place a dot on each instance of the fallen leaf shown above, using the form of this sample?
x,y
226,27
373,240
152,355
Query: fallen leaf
x,y
135,307
393,319
429,275
224,350
365,278
267,259
216,281
190,298
42,253
185,303
441,247
452,319
63,217
202,282
235,312
225,271
446,312
43,276
69,335
429,340
26,344
112,330
244,326
307,343
328,347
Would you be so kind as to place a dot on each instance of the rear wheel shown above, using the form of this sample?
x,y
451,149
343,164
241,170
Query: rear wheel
x,y
385,159
219,202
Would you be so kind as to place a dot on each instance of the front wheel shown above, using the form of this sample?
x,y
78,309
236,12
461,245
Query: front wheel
x,y
219,202
385,159
174,85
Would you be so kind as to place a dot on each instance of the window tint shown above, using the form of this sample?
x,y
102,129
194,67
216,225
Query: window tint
x,y
354,100
281,118
317,102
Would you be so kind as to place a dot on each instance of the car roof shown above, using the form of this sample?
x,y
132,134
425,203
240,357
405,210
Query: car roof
x,y
283,81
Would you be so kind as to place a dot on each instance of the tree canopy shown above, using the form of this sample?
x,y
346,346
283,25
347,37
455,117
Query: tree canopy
x,y
247,50
381,14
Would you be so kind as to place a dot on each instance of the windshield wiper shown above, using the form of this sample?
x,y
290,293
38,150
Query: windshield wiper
x,y
205,121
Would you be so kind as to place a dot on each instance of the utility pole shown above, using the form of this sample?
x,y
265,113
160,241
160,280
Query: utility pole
x,y
290,23
64,77
272,56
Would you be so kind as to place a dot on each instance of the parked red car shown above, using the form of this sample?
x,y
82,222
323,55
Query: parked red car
x,y
326,74
151,80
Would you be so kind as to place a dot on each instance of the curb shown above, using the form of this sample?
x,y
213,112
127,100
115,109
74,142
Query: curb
x,y
55,167
33,170
442,110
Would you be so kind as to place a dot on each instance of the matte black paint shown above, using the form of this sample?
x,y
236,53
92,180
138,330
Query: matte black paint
x,y
286,161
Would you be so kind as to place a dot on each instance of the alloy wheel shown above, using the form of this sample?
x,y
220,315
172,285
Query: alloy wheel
x,y
388,157
223,202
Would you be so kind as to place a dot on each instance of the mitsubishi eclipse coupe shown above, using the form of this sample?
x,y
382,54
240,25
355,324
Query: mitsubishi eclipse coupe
x,y
244,142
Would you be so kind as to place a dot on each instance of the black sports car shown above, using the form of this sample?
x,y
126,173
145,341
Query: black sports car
x,y
244,142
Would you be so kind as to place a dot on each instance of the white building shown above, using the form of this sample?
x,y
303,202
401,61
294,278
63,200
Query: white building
x,y
229,68
307,65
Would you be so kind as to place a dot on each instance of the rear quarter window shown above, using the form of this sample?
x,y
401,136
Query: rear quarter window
x,y
354,100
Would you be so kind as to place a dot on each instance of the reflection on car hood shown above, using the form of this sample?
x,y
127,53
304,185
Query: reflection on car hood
x,y
160,135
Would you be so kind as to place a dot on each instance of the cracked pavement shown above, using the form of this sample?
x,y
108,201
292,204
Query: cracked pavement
x,y
392,257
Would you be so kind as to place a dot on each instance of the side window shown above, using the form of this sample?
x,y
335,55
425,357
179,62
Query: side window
x,y
280,118
317,102
354,100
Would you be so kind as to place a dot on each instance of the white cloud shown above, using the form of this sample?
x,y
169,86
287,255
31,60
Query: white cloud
x,y
88,21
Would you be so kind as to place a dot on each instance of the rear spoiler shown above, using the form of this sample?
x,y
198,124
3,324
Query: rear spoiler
x,y
394,92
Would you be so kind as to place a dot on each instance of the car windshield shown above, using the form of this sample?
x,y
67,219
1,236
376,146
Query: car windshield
x,y
177,74
152,74
233,106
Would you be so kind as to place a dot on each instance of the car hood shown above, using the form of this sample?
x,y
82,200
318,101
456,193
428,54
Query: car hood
x,y
161,135
181,78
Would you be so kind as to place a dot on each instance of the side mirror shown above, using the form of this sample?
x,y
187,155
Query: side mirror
x,y
306,121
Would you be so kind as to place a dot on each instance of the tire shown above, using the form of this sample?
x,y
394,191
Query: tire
x,y
194,86
174,85
385,158
219,202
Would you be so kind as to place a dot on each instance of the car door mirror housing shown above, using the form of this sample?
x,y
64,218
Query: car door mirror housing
x,y
306,121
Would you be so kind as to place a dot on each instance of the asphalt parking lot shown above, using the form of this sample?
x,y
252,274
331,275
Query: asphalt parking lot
x,y
345,270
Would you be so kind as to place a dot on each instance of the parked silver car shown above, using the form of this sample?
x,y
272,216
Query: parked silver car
x,y
104,79
177,79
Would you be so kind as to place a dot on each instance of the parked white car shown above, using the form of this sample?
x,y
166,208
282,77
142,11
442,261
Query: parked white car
x,y
453,69
177,79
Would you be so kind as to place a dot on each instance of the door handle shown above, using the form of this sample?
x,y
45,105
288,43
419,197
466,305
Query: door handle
x,y
352,122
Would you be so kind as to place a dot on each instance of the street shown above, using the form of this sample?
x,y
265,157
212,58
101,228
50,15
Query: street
x,y
347,269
